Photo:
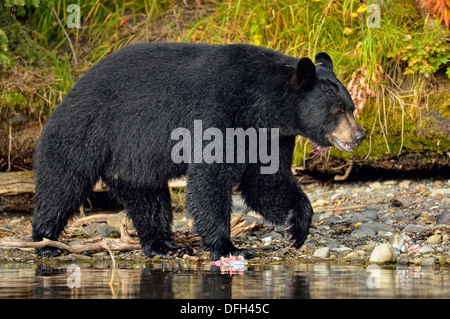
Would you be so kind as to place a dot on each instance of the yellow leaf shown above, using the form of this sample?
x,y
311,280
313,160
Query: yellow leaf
x,y
257,39
407,37
347,31
358,224
354,14
362,8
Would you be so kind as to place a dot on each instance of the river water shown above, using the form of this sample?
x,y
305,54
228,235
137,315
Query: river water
x,y
200,281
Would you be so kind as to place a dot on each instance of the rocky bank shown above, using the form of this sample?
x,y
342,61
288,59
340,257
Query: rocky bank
x,y
390,221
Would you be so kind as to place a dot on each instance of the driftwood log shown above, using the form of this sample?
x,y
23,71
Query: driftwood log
x,y
15,183
124,243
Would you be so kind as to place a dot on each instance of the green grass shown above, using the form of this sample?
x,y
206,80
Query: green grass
x,y
45,64
393,101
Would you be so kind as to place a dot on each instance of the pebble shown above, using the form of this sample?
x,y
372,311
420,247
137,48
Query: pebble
x,y
440,191
239,205
375,185
383,254
403,260
16,221
104,230
281,252
364,217
372,228
429,261
267,239
115,220
426,249
355,254
273,235
78,257
323,252
443,218
363,232
414,228
341,250
434,239
445,202
404,184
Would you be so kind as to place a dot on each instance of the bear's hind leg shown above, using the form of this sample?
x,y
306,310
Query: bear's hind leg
x,y
57,198
151,213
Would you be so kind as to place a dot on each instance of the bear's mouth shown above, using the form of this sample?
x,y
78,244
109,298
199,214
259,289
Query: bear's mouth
x,y
342,146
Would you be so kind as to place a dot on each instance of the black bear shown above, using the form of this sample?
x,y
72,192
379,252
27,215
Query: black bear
x,y
123,120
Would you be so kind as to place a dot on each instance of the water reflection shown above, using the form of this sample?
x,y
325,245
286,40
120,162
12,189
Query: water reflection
x,y
206,281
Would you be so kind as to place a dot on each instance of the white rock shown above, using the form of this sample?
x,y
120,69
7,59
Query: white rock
x,y
322,252
355,254
404,184
375,185
383,253
266,240
335,196
426,249
440,191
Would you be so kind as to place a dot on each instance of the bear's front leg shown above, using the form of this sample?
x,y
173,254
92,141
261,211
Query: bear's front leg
x,y
279,199
298,221
209,202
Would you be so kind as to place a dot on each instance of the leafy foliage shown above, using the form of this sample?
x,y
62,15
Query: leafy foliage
x,y
385,68
4,59
16,8
426,56
441,8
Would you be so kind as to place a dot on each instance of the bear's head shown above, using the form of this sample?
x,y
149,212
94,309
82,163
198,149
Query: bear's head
x,y
326,114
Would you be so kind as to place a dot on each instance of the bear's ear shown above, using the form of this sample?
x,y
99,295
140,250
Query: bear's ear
x,y
324,59
306,73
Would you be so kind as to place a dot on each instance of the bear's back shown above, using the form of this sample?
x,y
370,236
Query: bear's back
x,y
184,71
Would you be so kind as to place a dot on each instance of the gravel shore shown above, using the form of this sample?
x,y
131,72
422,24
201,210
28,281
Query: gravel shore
x,y
386,222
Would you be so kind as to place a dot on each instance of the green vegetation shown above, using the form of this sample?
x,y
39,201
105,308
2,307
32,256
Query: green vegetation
x,y
397,70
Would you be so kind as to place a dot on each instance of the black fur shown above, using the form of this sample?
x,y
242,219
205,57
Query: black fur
x,y
117,121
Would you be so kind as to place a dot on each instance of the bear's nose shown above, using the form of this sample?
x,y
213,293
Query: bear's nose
x,y
360,136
